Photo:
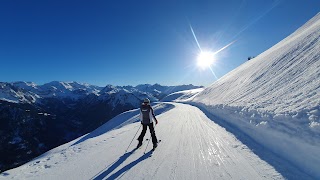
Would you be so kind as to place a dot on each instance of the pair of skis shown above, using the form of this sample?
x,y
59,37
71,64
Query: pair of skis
x,y
147,146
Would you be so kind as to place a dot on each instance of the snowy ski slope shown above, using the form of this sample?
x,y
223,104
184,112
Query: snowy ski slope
x,y
275,98
192,147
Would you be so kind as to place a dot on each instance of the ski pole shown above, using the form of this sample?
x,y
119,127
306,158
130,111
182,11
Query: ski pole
x,y
133,138
147,145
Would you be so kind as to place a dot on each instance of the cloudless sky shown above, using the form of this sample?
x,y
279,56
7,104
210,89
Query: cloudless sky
x,y
129,42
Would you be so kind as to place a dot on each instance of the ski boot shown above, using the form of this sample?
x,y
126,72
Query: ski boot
x,y
155,146
139,144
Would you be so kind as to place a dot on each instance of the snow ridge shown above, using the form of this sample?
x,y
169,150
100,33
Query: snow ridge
x,y
275,97
182,96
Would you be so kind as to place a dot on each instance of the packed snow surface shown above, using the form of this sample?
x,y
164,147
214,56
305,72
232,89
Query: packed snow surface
x,y
275,98
192,147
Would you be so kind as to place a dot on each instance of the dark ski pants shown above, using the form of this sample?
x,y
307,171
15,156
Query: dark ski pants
x,y
152,132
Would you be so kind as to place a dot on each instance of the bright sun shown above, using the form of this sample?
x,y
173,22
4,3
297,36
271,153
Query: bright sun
x,y
205,59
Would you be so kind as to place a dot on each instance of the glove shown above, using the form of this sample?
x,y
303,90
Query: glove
x,y
156,121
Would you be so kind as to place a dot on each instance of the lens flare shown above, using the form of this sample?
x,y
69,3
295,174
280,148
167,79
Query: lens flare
x,y
205,59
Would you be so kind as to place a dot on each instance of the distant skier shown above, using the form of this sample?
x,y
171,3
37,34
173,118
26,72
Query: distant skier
x,y
146,117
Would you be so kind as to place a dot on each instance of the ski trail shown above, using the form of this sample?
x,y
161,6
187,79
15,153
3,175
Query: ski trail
x,y
194,147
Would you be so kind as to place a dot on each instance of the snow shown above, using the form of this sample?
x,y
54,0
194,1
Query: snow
x,y
15,96
182,96
275,98
26,85
192,146
71,90
5,97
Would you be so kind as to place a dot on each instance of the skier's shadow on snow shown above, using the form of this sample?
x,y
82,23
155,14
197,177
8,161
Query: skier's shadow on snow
x,y
118,163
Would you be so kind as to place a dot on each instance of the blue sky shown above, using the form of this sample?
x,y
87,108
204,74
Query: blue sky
x,y
136,42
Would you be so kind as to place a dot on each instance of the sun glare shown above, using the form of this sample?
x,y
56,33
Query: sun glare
x,y
205,59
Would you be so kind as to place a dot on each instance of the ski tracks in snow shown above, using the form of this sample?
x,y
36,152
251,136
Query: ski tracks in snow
x,y
194,147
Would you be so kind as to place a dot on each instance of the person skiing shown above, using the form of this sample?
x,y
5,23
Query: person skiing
x,y
146,117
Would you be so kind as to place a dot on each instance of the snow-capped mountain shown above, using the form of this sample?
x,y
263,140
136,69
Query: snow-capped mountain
x,y
36,118
29,92
71,90
275,97
11,93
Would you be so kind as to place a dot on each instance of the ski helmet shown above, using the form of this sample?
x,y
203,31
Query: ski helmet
x,y
146,100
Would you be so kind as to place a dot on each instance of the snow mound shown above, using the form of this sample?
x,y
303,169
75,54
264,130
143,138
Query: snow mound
x,y
275,97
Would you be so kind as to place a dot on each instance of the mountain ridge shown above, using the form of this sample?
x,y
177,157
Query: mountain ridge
x,y
75,90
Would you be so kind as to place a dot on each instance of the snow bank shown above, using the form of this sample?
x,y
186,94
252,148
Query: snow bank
x,y
275,98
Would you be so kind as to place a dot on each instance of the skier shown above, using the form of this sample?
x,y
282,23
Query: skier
x,y
146,117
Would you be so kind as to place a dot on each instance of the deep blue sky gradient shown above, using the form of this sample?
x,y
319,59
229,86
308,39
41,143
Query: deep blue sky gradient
x,y
135,42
